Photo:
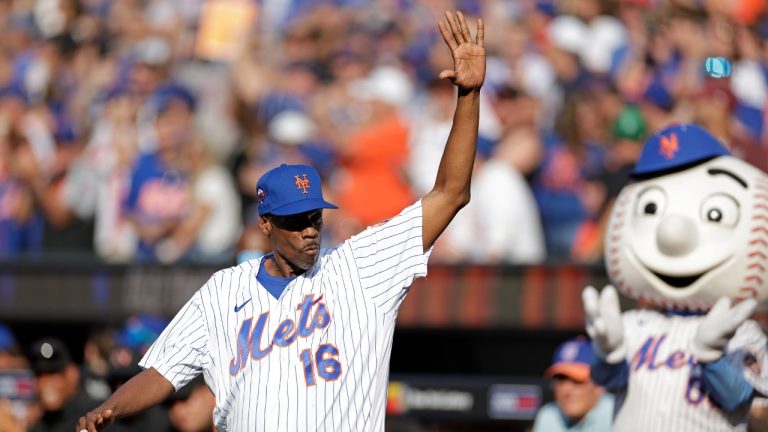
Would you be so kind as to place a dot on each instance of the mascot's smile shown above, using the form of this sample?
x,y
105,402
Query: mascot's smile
x,y
679,281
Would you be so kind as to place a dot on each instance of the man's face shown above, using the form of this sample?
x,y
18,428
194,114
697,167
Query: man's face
x,y
296,238
575,398
56,389
194,414
173,125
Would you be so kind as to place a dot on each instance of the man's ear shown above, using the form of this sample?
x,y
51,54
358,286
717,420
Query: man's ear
x,y
266,225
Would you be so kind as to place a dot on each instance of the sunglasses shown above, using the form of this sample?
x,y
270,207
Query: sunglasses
x,y
299,221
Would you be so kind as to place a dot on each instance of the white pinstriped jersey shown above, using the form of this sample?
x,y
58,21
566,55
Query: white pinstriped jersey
x,y
664,389
315,359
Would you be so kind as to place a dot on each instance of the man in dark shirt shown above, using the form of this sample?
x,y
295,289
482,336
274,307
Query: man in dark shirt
x,y
191,407
58,386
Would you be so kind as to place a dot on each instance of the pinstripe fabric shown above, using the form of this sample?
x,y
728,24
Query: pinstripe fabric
x,y
663,390
352,295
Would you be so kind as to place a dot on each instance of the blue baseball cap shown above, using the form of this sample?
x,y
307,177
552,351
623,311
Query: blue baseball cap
x,y
140,331
290,189
171,92
572,359
676,147
658,95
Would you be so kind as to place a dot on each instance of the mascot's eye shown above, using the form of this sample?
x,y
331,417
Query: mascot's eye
x,y
720,209
714,215
651,202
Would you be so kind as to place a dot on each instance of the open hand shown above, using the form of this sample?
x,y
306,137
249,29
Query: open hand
x,y
718,327
468,57
604,324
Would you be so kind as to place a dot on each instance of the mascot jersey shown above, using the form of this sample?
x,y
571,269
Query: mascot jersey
x,y
692,227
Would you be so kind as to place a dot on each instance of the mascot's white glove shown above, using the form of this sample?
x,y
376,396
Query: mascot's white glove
x,y
604,325
718,327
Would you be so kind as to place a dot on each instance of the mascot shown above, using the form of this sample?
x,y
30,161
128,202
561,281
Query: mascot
x,y
688,237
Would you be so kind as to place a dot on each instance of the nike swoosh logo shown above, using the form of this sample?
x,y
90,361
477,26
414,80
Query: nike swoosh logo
x,y
238,308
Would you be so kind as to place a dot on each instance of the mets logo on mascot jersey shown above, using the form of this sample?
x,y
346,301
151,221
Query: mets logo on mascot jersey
x,y
250,339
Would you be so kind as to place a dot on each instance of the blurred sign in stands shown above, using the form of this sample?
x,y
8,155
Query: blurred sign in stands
x,y
224,27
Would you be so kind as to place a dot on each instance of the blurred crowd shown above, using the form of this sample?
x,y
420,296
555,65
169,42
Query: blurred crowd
x,y
137,129
46,388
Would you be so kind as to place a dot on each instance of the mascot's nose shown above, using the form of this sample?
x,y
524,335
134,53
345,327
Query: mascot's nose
x,y
676,235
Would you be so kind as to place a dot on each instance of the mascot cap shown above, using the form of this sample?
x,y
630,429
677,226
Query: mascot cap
x,y
676,147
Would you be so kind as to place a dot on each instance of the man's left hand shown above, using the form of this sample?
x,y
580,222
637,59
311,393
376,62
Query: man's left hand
x,y
468,57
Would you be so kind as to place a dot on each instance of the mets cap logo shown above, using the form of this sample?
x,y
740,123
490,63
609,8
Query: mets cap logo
x,y
260,195
570,351
302,184
669,145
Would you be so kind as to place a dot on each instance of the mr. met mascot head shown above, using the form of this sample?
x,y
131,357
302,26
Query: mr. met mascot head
x,y
692,227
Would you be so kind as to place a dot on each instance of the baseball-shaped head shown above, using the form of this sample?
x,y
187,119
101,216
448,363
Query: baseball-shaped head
x,y
692,227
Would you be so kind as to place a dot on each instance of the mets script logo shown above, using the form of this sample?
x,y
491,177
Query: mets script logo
x,y
302,184
669,146
649,358
254,344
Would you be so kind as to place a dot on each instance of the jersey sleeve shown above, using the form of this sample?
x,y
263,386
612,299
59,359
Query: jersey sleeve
x,y
180,352
747,349
389,256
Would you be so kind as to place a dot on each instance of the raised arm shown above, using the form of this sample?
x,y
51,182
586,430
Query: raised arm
x,y
451,190
143,391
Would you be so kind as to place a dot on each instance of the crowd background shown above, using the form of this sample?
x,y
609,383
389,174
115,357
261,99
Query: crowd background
x,y
134,131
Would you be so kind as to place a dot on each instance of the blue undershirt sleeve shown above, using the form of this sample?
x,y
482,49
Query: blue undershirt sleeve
x,y
610,376
726,384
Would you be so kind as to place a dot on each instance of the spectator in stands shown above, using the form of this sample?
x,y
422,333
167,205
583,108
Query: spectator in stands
x,y
375,155
191,407
502,215
95,368
160,195
21,221
18,407
149,66
579,404
565,185
58,386
110,155
508,221
716,108
66,193
10,355
211,227
629,132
